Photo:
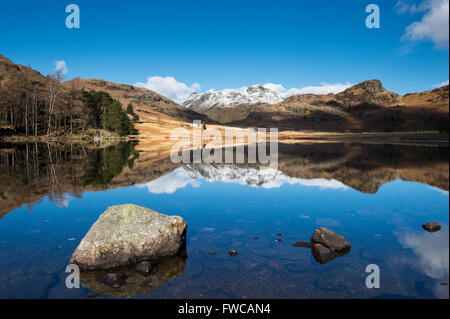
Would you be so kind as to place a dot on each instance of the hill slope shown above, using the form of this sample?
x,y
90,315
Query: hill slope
x,y
364,107
146,102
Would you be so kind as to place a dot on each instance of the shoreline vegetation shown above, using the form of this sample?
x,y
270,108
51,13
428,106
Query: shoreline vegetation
x,y
99,136
36,107
89,136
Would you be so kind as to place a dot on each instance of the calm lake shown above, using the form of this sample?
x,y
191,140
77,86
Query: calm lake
x,y
375,195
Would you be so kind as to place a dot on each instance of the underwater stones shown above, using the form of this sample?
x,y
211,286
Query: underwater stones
x,y
144,268
322,254
431,227
126,281
128,234
113,280
233,253
303,244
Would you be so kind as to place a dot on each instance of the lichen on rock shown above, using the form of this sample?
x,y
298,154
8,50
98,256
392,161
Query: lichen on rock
x,y
127,234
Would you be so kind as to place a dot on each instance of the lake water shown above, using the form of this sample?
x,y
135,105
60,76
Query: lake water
x,y
375,195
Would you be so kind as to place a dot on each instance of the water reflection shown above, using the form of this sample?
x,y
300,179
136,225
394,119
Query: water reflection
x,y
130,282
432,250
376,196
31,171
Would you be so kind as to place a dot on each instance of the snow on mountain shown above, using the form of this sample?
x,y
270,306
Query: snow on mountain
x,y
264,177
231,97
270,93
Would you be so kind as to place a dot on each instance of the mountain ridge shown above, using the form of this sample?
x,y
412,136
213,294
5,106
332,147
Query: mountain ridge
x,y
146,102
364,106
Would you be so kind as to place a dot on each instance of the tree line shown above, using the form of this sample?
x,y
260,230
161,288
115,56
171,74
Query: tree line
x,y
34,105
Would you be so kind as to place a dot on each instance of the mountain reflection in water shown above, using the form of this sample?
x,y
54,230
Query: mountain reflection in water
x,y
376,195
32,171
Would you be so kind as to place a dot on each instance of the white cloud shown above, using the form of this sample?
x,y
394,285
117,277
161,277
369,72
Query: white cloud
x,y
440,84
179,92
170,183
323,88
169,87
61,66
432,252
434,24
265,177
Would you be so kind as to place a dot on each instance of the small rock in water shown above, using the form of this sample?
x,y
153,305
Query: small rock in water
x,y
303,244
322,254
233,253
431,227
256,238
113,280
279,234
212,253
330,240
144,268
279,240
327,245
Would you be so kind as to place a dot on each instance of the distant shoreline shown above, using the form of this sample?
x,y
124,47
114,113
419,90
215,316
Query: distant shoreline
x,y
90,136
413,137
291,136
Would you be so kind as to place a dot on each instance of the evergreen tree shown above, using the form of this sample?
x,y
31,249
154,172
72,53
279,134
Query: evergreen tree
x,y
130,109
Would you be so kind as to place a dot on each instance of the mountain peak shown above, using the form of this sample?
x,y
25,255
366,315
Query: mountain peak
x,y
252,94
369,86
368,92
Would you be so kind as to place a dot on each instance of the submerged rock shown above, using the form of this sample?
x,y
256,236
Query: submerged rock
x,y
113,280
331,240
144,268
323,254
126,281
233,253
303,244
128,234
431,227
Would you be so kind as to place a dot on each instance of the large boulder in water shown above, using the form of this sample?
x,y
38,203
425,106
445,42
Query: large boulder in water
x,y
128,234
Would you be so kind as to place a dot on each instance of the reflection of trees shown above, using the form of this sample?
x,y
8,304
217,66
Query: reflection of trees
x,y
110,163
30,171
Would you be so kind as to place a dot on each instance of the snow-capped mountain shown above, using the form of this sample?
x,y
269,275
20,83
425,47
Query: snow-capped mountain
x,y
232,97
264,177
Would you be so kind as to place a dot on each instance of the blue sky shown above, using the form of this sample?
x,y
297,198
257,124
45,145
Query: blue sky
x,y
230,44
